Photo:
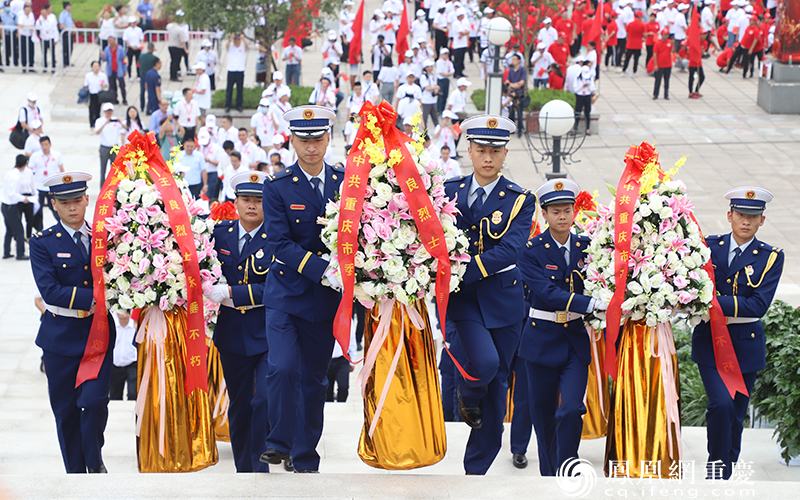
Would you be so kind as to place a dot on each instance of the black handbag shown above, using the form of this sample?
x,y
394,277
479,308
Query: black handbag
x,y
18,136
107,96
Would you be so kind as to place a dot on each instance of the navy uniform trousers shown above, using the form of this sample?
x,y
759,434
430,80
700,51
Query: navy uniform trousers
x,y
557,355
299,312
745,290
241,339
521,424
62,274
489,308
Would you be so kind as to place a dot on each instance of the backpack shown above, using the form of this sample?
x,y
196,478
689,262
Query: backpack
x,y
18,134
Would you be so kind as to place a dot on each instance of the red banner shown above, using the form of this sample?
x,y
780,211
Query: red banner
x,y
354,53
624,204
402,35
724,356
180,224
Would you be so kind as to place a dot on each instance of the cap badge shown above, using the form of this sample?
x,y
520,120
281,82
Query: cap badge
x,y
254,178
497,216
750,195
308,114
491,123
67,179
558,186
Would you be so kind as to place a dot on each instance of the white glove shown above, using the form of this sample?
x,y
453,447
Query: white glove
x,y
219,293
326,257
600,305
330,279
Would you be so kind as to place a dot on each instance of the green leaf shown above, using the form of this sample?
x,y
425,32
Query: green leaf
x,y
611,189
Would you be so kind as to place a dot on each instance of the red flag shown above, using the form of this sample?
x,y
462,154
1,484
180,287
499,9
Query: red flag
x,y
597,29
358,28
402,35
693,39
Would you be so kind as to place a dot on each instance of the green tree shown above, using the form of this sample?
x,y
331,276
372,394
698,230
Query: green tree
x,y
269,19
525,17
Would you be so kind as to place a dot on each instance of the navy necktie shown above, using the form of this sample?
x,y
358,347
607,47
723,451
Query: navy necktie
x,y
247,239
81,246
477,205
564,253
315,181
736,253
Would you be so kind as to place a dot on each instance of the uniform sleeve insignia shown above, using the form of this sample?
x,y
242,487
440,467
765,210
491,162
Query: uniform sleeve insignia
x,y
260,253
749,270
497,217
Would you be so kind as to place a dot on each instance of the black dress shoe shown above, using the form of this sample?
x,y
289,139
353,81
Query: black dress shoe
x,y
240,110
273,456
520,460
24,257
7,256
307,471
472,415
288,464
468,473
101,470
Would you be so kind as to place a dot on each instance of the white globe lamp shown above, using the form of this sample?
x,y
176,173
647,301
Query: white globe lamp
x,y
556,118
500,31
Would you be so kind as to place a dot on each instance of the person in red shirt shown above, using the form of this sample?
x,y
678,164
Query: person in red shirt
x,y
650,34
662,52
746,47
696,66
560,50
725,56
555,79
610,40
586,28
567,26
633,47
758,51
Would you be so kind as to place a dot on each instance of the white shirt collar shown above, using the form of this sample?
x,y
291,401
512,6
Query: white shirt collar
x,y
253,233
743,246
320,176
487,188
84,230
560,246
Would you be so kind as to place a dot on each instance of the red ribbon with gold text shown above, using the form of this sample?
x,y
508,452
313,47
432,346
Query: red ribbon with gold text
x,y
724,355
196,372
625,202
428,225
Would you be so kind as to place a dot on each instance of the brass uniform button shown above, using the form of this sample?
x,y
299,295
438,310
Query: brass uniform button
x,y
86,268
473,227
566,325
729,280
243,311
58,235
85,282
533,323
752,335
552,277
240,282
280,272
240,268
297,221
230,230
264,235
547,245
63,265
319,253
515,282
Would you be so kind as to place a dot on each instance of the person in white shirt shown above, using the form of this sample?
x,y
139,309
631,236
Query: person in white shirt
x,y
541,60
355,100
323,95
110,131
444,70
44,163
210,128
187,111
420,27
408,98
460,34
744,23
483,30
293,56
11,198
95,82
227,132
47,26
407,65
457,103
332,52
257,154
233,167
374,26
390,27
380,51
679,26
133,41
277,109
209,58
237,58
202,89
444,135
547,35
26,23
369,88
430,88
286,157
449,166
213,155
584,88
388,78
32,143
124,369
425,51
276,85
247,148
261,122
573,70
30,112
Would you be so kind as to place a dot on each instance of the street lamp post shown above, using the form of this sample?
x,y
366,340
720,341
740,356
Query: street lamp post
x,y
556,119
499,33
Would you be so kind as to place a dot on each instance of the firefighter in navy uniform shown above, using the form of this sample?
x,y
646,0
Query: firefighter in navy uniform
x,y
299,308
60,258
489,308
555,346
747,272
241,332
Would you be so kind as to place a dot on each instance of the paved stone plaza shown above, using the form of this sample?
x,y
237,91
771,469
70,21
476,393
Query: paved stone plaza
x,y
730,142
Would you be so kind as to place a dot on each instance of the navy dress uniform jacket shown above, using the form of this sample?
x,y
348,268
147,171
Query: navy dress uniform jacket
x,y
64,280
291,208
492,298
246,275
554,286
744,291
